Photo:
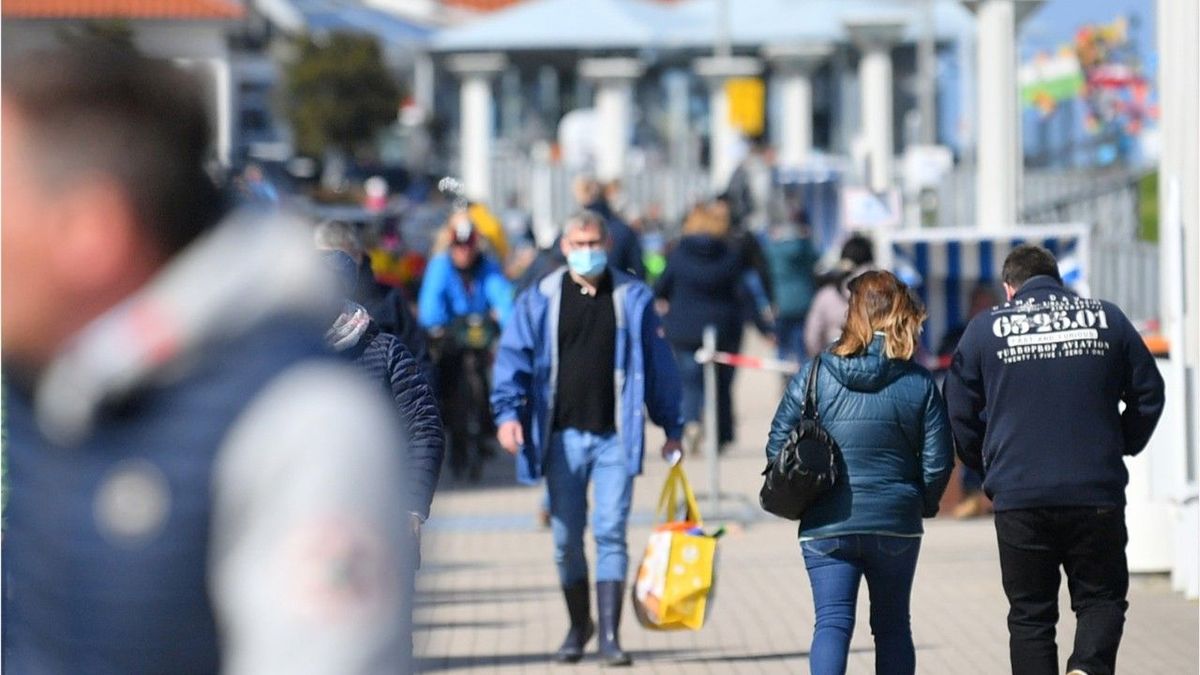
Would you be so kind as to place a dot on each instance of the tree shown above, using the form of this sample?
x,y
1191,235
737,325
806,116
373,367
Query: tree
x,y
339,94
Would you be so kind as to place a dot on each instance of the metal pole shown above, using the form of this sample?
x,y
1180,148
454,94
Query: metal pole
x,y
724,42
710,421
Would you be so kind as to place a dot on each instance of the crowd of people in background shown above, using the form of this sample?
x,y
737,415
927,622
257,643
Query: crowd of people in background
x,y
226,429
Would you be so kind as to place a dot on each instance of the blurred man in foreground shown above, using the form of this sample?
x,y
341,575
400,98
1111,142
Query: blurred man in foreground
x,y
194,484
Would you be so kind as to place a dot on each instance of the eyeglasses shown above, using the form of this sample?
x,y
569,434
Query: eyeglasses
x,y
590,243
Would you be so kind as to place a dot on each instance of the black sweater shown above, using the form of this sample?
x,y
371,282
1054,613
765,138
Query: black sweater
x,y
1033,395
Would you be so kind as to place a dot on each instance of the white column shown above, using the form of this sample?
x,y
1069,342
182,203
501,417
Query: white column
x,y
476,119
1179,231
875,38
793,68
614,79
423,83
223,90
999,158
724,137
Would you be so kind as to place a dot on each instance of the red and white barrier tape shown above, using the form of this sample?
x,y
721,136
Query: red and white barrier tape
x,y
743,361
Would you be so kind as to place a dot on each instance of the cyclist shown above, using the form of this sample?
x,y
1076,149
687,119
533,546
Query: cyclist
x,y
464,299
462,280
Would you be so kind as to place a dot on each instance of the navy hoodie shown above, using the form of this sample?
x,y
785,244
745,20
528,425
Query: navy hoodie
x,y
1034,392
702,281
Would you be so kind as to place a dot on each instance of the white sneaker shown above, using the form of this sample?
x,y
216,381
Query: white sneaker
x,y
1076,672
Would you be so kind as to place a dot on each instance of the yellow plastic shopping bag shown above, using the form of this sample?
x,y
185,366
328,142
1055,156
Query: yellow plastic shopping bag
x,y
674,585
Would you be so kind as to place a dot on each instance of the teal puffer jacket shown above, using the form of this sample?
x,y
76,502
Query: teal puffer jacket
x,y
890,421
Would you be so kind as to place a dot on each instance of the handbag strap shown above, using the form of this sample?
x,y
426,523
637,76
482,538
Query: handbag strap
x,y
677,486
810,391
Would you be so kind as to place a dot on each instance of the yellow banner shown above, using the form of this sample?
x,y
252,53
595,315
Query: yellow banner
x,y
747,104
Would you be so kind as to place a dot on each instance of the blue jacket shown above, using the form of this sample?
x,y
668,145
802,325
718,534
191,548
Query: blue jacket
x,y
526,370
1034,391
891,424
444,297
77,597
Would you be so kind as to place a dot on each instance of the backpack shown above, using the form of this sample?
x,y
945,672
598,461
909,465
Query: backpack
x,y
807,465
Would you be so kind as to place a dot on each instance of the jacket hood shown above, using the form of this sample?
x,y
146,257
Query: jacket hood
x,y
867,372
349,328
251,266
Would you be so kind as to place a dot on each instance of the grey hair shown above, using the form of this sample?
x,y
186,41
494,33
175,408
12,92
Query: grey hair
x,y
339,235
585,218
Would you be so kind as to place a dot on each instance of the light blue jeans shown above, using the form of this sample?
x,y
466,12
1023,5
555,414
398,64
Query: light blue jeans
x,y
574,458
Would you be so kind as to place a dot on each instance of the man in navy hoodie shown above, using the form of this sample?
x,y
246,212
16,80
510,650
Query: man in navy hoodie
x,y
1034,394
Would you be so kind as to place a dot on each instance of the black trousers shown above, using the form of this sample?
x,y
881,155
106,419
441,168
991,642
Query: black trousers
x,y
1089,544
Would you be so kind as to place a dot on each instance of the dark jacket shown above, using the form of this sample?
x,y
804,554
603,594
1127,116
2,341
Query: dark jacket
x,y
702,280
625,252
388,308
890,422
390,363
1033,393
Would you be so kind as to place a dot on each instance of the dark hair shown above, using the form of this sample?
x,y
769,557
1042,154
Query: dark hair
x,y
1027,261
99,107
858,250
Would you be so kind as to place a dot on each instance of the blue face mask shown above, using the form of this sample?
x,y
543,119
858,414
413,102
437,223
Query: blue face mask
x,y
587,262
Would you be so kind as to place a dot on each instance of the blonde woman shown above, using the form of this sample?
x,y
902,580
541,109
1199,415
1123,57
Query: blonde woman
x,y
890,421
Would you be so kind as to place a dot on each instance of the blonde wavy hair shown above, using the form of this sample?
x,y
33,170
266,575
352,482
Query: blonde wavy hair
x,y
879,302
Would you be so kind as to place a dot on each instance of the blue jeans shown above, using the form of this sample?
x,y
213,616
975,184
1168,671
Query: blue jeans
x,y
691,402
576,457
836,565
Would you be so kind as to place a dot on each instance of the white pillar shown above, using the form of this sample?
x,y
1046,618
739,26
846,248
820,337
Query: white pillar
x,y
476,119
423,83
793,68
223,89
999,158
614,79
1179,250
724,137
875,38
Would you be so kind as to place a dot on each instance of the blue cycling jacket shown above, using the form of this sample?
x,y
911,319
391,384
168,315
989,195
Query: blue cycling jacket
x,y
444,297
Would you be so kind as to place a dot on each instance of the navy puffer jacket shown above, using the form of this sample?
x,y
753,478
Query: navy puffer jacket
x,y
388,360
890,421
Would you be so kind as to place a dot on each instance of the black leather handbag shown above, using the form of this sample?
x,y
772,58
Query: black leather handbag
x,y
807,465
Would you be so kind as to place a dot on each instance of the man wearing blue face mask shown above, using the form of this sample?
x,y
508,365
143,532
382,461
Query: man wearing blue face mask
x,y
580,360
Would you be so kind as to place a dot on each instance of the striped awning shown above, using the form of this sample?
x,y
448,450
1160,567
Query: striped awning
x,y
945,265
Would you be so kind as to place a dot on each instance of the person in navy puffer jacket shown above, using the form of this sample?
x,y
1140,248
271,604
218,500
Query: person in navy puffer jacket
x,y
886,414
356,336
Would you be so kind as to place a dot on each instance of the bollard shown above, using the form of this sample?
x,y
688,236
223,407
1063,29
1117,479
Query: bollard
x,y
711,443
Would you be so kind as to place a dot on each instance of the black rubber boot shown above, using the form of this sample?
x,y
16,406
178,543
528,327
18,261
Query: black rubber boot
x,y
609,595
579,608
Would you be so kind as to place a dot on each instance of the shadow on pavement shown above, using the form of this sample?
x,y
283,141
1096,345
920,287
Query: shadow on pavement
x,y
483,596
421,626
433,664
